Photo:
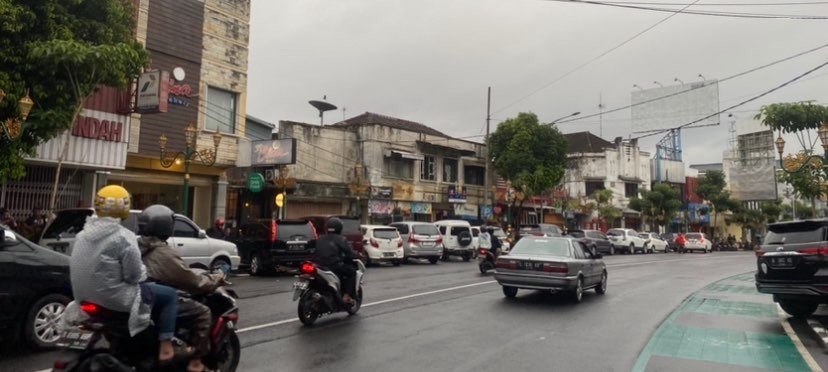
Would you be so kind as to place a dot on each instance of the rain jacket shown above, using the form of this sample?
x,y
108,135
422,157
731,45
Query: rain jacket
x,y
106,269
165,266
485,240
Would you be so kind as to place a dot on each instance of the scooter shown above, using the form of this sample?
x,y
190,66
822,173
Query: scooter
x,y
485,260
140,352
319,292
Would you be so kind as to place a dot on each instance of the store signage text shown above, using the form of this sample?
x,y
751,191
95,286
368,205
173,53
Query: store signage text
x,y
93,128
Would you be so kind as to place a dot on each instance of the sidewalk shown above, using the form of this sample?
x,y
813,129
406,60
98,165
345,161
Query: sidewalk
x,y
726,326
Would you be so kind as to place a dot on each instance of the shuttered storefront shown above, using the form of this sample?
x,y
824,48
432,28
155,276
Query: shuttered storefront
x,y
35,190
299,209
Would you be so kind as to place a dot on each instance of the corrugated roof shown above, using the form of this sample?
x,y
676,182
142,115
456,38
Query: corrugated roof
x,y
585,142
370,118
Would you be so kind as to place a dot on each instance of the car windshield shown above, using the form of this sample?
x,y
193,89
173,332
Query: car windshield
x,y
615,232
68,223
425,229
386,233
542,247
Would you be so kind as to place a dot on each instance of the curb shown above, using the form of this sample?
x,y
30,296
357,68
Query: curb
x,y
821,333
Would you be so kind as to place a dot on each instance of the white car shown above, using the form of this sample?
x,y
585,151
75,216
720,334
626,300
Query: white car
x,y
382,244
626,240
654,242
697,242
191,242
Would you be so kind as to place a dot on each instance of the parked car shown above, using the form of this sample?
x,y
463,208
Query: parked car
x,y
420,240
543,229
457,238
475,237
191,242
266,244
670,238
698,242
654,242
551,263
595,240
501,235
350,230
626,240
382,244
34,290
791,265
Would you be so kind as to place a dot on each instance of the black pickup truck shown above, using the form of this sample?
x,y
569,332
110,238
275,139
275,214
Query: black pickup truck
x,y
267,244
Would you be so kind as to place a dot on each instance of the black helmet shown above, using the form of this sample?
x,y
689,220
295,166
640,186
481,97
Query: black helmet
x,y
333,226
156,220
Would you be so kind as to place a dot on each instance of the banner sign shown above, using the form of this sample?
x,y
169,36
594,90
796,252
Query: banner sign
x,y
273,152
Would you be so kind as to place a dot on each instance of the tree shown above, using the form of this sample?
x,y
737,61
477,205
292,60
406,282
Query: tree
x,y
800,118
60,51
528,154
607,211
712,189
772,211
658,205
802,211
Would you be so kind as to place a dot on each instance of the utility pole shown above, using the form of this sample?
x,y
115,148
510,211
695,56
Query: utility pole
x,y
487,199
601,115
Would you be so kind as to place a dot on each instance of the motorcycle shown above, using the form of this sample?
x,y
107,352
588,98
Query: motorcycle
x,y
485,260
140,352
319,292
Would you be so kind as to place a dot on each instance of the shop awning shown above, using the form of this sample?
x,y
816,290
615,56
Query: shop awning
x,y
405,154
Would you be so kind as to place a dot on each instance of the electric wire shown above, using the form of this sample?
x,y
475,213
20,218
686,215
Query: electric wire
x,y
700,12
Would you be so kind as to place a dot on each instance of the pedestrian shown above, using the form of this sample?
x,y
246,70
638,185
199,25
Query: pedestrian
x,y
7,219
217,231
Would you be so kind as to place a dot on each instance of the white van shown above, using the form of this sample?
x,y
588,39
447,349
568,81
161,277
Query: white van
x,y
457,238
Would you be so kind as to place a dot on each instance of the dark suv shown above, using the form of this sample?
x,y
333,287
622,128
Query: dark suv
x,y
267,244
594,239
791,265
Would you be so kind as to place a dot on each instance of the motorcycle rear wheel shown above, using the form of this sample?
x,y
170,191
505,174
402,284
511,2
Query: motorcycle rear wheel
x,y
357,303
307,315
230,354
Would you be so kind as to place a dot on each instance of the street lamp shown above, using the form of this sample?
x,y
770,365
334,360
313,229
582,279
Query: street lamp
x,y
637,86
677,80
657,83
823,137
13,127
206,157
576,113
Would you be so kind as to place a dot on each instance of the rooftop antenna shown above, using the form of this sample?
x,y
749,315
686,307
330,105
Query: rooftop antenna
x,y
322,106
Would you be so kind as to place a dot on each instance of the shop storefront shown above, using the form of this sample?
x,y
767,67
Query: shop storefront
x,y
421,211
380,211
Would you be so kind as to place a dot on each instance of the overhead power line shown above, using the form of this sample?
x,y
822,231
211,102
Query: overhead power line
x,y
716,4
699,12
570,72
774,89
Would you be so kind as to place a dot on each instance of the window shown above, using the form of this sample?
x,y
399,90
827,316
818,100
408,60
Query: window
x,y
427,172
399,167
631,190
221,110
449,170
579,250
386,234
403,229
183,229
474,175
594,186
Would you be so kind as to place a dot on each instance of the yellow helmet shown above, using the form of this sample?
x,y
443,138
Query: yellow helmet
x,y
113,201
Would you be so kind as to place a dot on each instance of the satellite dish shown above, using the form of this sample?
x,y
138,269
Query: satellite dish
x,y
178,74
322,106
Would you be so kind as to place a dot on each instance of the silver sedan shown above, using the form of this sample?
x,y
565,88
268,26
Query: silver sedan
x,y
551,263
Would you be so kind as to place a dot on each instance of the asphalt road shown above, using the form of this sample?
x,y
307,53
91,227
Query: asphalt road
x,y
449,317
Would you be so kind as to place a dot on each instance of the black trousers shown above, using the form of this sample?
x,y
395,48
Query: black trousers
x,y
347,275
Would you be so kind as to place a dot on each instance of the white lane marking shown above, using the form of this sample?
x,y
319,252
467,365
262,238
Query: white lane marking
x,y
783,318
274,324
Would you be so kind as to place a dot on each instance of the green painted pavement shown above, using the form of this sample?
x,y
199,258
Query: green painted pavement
x,y
725,347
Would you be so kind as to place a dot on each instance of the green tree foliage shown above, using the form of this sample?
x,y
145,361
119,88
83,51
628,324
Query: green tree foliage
x,y
529,154
772,211
712,189
810,178
802,211
658,205
60,51
793,117
603,201
752,219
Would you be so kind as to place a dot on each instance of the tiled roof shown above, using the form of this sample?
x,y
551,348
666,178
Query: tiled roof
x,y
585,142
369,118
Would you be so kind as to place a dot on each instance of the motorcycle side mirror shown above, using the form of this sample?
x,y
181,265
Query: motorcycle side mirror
x,y
312,243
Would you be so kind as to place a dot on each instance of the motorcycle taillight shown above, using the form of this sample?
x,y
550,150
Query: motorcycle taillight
x,y
89,308
307,268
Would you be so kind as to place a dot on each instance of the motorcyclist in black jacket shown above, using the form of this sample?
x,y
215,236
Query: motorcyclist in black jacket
x,y
333,252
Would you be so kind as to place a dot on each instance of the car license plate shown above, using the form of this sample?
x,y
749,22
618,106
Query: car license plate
x,y
782,261
389,254
300,284
74,339
296,247
427,244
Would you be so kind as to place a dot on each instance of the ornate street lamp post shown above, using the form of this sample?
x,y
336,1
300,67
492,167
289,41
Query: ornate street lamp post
x,y
206,157
13,127
823,137
359,186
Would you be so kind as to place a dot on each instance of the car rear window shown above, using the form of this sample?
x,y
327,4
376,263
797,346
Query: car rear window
x,y
292,231
456,230
615,232
68,223
795,233
542,247
577,234
425,229
696,236
386,233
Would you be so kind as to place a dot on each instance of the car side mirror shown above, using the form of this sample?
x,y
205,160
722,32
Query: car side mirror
x,y
9,239
202,234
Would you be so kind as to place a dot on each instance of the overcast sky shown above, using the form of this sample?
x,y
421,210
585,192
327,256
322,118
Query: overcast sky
x,y
430,61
